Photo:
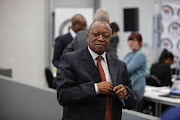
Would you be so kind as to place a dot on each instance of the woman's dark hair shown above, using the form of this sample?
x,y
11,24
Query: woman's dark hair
x,y
136,35
165,55
114,27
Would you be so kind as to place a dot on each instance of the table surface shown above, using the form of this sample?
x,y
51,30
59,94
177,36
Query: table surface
x,y
152,93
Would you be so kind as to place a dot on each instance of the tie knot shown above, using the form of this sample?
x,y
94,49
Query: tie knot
x,y
99,58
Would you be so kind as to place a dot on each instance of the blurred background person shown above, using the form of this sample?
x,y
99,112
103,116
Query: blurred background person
x,y
78,23
136,64
161,71
114,39
80,40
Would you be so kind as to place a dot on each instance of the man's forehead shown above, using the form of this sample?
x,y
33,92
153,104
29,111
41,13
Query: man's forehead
x,y
100,30
99,26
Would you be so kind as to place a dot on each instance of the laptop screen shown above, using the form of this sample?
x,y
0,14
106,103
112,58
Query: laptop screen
x,y
175,89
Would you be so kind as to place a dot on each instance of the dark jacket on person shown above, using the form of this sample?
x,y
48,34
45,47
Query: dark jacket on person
x,y
75,80
60,43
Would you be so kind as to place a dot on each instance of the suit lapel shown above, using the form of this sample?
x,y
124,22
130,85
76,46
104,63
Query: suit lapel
x,y
113,70
90,66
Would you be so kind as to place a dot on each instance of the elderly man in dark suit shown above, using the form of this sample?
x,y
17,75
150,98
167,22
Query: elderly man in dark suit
x,y
92,84
78,23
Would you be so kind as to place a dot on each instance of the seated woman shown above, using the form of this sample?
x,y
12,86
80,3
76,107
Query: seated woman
x,y
136,64
161,70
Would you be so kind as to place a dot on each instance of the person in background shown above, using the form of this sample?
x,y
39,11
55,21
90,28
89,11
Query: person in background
x,y
136,64
91,83
114,39
162,70
78,23
80,40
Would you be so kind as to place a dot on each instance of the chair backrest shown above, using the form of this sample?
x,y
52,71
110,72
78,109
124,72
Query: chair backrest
x,y
49,77
153,81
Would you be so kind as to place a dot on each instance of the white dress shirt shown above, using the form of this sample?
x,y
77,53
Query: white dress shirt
x,y
73,34
103,64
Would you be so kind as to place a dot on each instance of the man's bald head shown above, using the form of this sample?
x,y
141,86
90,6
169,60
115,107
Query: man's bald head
x,y
78,23
101,15
77,18
98,36
100,23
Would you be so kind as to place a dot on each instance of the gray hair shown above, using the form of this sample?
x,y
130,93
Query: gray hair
x,y
101,15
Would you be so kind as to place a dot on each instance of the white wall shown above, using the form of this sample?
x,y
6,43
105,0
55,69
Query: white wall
x,y
22,39
26,36
115,8
25,33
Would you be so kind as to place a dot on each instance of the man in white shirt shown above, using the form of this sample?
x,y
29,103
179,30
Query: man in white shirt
x,y
90,88
78,23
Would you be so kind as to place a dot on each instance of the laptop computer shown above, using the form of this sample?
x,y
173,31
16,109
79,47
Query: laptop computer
x,y
175,90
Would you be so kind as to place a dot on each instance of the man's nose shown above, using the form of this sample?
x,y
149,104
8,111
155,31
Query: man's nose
x,y
100,37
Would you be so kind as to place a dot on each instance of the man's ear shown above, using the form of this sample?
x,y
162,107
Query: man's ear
x,y
108,21
87,35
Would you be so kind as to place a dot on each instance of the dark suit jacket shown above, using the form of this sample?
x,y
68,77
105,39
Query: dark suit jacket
x,y
80,42
75,80
60,43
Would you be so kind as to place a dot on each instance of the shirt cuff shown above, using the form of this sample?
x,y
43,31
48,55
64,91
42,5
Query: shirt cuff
x,y
96,88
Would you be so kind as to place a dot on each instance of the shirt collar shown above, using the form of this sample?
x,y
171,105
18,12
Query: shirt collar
x,y
95,55
73,34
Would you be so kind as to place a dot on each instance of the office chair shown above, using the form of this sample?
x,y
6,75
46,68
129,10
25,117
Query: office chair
x,y
49,77
153,81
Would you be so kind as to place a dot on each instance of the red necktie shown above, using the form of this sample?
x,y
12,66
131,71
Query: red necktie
x,y
108,110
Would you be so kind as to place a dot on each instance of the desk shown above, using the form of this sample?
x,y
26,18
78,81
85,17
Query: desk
x,y
152,94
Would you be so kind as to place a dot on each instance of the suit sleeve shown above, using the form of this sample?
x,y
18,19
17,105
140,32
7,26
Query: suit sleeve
x,y
69,48
58,49
69,92
131,102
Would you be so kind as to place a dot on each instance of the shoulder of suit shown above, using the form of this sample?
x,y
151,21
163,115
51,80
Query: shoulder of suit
x,y
76,52
113,58
61,37
82,32
65,35
113,38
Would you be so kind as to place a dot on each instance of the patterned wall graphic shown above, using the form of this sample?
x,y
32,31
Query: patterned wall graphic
x,y
63,17
170,36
